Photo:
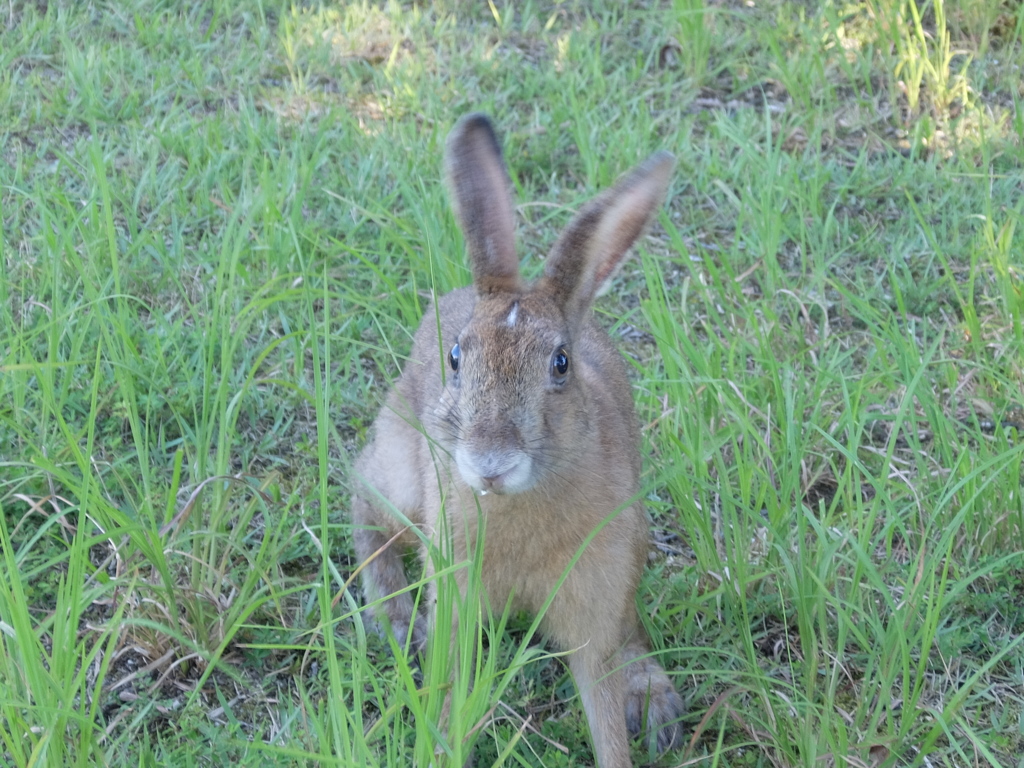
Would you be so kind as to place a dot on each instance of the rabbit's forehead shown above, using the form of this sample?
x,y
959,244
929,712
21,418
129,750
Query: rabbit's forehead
x,y
515,321
527,307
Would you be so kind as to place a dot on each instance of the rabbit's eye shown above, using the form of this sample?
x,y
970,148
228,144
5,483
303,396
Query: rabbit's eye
x,y
453,357
560,365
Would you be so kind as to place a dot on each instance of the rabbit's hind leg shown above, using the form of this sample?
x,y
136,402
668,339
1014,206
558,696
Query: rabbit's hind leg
x,y
652,704
386,482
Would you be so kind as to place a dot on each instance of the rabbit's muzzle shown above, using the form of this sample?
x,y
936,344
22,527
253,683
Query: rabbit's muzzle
x,y
495,470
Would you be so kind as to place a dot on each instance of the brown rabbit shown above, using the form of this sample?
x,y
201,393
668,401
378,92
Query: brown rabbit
x,y
521,415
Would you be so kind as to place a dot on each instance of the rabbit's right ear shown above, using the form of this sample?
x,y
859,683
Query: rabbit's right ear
x,y
481,195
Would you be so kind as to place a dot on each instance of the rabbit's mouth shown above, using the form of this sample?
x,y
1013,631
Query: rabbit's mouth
x,y
500,472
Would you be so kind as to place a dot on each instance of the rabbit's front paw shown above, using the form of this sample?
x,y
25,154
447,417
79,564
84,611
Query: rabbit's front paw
x,y
412,633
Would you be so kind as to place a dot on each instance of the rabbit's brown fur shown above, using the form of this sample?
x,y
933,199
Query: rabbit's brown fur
x,y
544,453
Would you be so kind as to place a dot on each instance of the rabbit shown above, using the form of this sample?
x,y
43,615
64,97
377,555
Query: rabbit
x,y
521,414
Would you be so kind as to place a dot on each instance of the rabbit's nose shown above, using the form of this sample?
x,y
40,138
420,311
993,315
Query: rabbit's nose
x,y
495,484
501,472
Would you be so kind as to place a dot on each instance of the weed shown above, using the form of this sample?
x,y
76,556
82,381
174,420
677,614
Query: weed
x,y
218,225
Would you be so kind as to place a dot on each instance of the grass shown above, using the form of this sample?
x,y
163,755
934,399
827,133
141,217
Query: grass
x,y
219,226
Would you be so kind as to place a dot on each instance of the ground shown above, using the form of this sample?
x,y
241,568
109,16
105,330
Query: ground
x,y
220,225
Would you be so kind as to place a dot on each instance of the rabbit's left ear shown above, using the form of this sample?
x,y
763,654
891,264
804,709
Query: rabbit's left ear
x,y
481,194
599,236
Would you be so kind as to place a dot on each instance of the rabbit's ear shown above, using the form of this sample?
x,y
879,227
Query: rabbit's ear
x,y
481,194
596,240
